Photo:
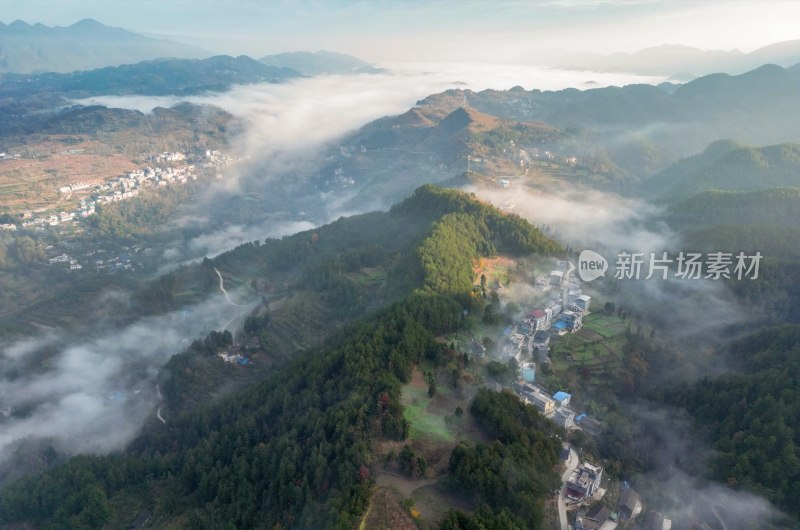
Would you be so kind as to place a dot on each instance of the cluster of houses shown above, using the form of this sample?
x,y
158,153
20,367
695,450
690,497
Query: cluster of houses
x,y
170,157
535,331
115,264
598,516
583,489
216,160
78,186
164,172
119,189
584,483
51,220
563,313
124,186
553,318
234,358
65,259
110,264
554,407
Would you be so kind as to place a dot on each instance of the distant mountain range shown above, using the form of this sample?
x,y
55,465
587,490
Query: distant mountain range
x,y
85,45
321,62
152,78
682,62
389,157
631,139
644,128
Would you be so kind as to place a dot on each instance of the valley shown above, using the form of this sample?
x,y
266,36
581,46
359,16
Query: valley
x,y
222,314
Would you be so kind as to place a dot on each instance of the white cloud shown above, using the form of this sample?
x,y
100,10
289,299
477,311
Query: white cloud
x,y
94,395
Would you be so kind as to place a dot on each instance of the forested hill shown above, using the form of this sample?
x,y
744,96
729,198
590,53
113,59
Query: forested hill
x,y
631,132
153,78
765,221
752,417
320,63
298,449
775,206
728,166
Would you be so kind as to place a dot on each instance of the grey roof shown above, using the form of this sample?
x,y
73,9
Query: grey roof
x,y
593,519
598,512
628,499
653,521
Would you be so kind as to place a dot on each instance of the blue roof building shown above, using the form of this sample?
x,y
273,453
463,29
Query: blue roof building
x,y
562,398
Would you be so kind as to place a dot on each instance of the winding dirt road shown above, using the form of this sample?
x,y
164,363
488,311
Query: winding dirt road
x,y
222,289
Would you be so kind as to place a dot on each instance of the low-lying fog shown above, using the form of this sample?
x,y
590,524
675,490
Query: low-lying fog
x,y
93,395
96,394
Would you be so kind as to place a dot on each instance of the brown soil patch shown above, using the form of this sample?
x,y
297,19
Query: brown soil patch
x,y
418,379
387,513
489,266
589,334
33,183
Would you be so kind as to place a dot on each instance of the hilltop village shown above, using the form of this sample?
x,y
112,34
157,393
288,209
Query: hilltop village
x,y
547,333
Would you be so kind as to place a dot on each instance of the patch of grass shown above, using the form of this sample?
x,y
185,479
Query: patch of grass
x,y
369,276
596,348
424,424
607,326
387,509
433,502
495,269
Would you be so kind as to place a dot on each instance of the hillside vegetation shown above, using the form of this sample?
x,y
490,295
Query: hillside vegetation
x,y
765,221
774,206
319,63
642,128
752,416
728,166
297,450
152,78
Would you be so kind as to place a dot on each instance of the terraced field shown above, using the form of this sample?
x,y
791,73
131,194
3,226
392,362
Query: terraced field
x,y
33,181
588,360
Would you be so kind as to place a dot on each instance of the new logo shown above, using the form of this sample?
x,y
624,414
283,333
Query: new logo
x,y
591,265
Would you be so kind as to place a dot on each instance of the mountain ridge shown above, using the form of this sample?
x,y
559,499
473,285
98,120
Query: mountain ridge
x,y
759,107
671,59
84,45
302,444
726,166
320,62
153,77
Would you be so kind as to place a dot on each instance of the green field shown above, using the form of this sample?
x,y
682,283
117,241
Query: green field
x,y
425,425
369,276
605,325
596,348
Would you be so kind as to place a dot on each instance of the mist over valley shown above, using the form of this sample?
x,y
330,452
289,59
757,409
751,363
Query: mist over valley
x,y
278,288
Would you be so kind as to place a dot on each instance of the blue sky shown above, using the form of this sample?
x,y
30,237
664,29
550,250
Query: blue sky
x,y
412,30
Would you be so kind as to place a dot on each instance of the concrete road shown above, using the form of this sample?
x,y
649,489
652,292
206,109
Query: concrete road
x,y
565,285
570,465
